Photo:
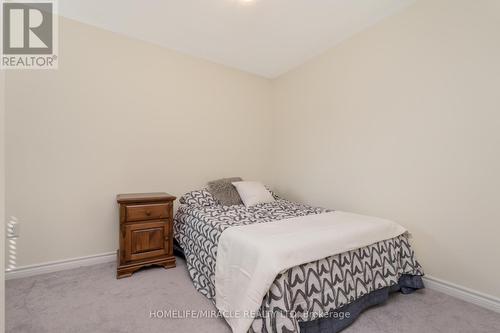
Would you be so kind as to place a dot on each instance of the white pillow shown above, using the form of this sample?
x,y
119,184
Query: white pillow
x,y
253,193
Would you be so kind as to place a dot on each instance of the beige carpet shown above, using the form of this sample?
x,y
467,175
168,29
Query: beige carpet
x,y
90,299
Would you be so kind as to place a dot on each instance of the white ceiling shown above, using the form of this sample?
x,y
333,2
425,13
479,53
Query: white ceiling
x,y
264,37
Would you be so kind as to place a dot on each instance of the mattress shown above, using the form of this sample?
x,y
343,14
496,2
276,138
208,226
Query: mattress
x,y
302,293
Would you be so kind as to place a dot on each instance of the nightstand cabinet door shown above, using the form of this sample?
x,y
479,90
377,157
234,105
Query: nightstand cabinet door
x,y
146,240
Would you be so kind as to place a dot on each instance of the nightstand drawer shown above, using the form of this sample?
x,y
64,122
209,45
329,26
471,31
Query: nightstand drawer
x,y
146,240
147,212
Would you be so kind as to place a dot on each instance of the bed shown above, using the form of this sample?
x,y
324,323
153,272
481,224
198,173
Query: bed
x,y
324,295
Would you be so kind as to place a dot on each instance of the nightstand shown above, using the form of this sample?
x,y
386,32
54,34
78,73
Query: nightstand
x,y
146,232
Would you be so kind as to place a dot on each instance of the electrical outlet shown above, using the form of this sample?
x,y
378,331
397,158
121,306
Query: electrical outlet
x,y
13,227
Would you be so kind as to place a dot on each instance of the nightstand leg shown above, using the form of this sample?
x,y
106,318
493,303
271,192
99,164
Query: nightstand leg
x,y
123,275
170,263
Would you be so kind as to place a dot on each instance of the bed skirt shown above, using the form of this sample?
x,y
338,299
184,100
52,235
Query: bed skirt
x,y
338,319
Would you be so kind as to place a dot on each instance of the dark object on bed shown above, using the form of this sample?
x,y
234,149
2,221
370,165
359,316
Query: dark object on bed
x,y
341,318
224,191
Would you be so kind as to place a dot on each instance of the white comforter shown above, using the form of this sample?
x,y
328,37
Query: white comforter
x,y
250,257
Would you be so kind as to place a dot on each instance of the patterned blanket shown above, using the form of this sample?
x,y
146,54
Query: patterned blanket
x,y
301,293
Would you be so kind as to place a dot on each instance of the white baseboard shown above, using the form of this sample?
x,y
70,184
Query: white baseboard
x,y
463,293
60,265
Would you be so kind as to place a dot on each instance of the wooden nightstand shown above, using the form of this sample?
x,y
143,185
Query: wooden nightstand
x,y
146,234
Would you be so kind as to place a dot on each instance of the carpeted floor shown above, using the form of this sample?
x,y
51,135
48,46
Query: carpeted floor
x,y
90,299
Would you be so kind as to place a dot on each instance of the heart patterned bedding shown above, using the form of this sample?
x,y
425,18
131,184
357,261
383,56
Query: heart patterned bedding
x,y
302,293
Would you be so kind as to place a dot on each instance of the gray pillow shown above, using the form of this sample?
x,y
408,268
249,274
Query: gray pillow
x,y
224,191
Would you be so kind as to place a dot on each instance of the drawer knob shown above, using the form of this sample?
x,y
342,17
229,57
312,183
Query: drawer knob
x,y
148,212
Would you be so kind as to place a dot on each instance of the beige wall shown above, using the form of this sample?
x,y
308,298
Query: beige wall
x,y
120,115
402,121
